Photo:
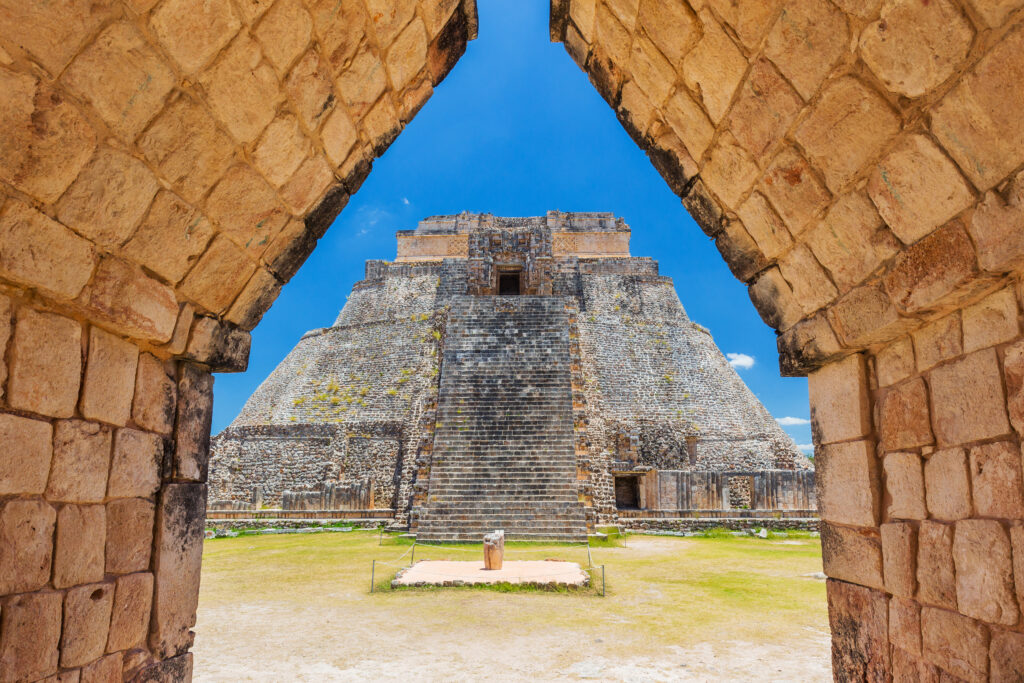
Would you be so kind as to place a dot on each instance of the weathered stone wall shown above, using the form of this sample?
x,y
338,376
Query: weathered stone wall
x,y
858,165
164,168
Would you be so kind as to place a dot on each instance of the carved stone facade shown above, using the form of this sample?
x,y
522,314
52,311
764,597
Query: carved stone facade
x,y
650,390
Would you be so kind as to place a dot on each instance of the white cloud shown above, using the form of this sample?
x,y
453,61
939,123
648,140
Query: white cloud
x,y
806,447
405,200
791,421
740,360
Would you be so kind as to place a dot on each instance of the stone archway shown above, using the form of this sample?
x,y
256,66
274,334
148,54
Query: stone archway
x,y
859,166
166,165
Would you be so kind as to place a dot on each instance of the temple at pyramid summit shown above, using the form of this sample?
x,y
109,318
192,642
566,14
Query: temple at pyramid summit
x,y
525,374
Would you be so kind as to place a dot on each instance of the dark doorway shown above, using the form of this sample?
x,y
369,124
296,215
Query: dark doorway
x,y
627,493
508,283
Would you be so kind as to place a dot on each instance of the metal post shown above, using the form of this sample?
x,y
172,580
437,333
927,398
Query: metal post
x,y
412,557
373,572
380,535
590,560
602,581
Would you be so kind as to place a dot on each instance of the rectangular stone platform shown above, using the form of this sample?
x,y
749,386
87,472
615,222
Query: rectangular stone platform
x,y
538,573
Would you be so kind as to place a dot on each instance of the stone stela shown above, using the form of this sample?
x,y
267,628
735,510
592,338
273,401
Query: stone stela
x,y
524,374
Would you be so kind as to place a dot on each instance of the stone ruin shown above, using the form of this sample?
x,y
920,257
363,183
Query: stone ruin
x,y
517,373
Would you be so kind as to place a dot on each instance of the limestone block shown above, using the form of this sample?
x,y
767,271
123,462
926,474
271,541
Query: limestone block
x,y
308,184
977,122
129,535
991,321
284,31
407,54
121,295
650,71
69,676
765,226
838,396
806,42
123,78
41,253
6,318
729,171
947,486
714,68
806,346
848,484
179,553
28,449
740,251
193,31
955,643
998,486
192,430
171,238
412,99
389,17
792,188
28,526
672,26
936,577
182,327
764,109
866,315
339,135
864,9
915,46
850,241
984,573
109,378
938,270
860,639
850,126
246,208
967,399
81,537
310,87
104,670
109,198
774,300
255,300
168,671
362,82
135,470
916,188
219,276
437,14
808,281
220,345
938,341
188,147
44,139
993,226
254,9
904,486
702,207
1013,367
81,459
582,14
1006,656
906,668
894,362
1017,542
86,620
905,624
342,25
281,150
46,364
29,634
381,125
624,10
899,558
853,555
241,89
52,34
129,621
292,246
155,396
689,122
749,20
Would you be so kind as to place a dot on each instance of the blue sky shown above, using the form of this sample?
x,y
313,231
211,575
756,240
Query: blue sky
x,y
515,130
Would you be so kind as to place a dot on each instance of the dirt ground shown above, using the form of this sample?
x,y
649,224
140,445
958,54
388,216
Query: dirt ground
x,y
298,608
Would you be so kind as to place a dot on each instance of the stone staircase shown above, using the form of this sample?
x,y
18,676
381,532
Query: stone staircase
x,y
503,453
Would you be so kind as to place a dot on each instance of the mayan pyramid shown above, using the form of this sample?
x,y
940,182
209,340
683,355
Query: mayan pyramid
x,y
517,373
